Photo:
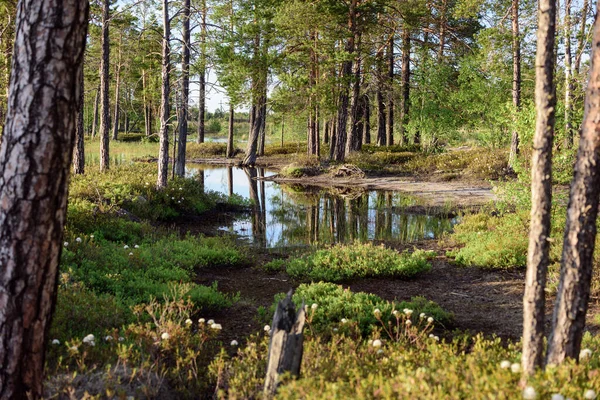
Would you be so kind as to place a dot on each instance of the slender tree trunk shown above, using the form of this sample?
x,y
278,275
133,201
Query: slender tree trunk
x,y
185,91
581,37
541,191
339,150
115,121
163,152
367,125
443,18
354,138
580,231
147,122
516,86
230,148
79,153
96,109
104,85
568,142
389,132
313,113
381,118
202,84
405,99
35,159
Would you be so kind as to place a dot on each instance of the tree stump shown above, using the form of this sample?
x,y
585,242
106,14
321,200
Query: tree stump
x,y
285,348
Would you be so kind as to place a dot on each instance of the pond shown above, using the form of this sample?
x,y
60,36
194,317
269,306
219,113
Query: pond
x,y
284,215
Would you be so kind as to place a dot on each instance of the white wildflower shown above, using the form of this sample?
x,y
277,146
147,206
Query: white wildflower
x,y
408,322
314,306
585,354
589,394
431,335
125,247
529,393
65,244
91,236
121,339
108,338
408,311
165,336
201,321
505,364
335,329
376,343
74,349
130,254
377,312
422,315
89,338
430,319
380,351
267,328
55,341
515,367
234,342
211,321
344,321
395,313
188,321
557,396
180,188
436,338
216,326
136,247
78,240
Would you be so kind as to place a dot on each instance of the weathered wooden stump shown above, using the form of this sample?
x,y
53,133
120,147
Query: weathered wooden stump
x,y
285,348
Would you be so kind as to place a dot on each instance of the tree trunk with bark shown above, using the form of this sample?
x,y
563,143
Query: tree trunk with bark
x,y
230,148
202,77
78,152
367,117
104,85
568,142
389,126
580,231
185,91
541,192
96,112
516,86
405,98
163,152
341,137
354,141
35,160
581,36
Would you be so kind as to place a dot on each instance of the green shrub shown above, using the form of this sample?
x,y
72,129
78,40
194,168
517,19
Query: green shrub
x,y
335,303
207,149
358,260
274,266
492,242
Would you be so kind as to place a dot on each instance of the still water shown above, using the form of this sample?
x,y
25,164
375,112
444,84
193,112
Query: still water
x,y
285,215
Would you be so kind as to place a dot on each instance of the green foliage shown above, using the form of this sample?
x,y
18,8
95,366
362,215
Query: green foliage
x,y
135,273
207,149
358,260
492,242
274,266
334,303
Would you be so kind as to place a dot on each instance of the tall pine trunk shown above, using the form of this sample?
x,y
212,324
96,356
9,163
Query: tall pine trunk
x,y
185,91
405,98
389,125
202,77
104,85
78,152
163,152
580,231
43,102
115,133
230,148
541,192
354,141
516,85
568,142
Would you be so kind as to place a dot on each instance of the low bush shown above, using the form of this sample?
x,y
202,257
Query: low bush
x,y
207,149
358,260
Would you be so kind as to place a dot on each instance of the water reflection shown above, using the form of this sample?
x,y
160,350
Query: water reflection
x,y
285,215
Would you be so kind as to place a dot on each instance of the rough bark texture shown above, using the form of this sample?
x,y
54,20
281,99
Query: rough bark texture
x,y
568,142
96,109
389,125
163,152
381,138
230,148
286,345
581,36
353,142
367,116
78,152
35,160
541,192
516,86
580,231
405,98
185,92
104,85
259,99
339,151
202,77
